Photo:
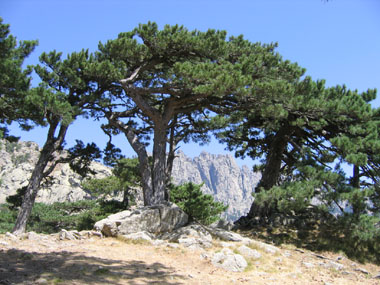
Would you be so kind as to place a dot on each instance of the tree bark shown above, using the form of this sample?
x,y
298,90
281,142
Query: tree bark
x,y
159,165
271,171
51,145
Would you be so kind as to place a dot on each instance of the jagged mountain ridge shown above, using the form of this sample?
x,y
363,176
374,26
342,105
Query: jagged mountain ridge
x,y
221,175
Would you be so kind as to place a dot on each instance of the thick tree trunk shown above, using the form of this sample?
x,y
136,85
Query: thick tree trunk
x,y
159,165
271,172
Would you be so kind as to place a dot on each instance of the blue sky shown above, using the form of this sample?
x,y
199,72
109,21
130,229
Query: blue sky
x,y
338,40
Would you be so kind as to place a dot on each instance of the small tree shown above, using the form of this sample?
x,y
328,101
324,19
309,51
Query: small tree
x,y
125,177
200,207
57,102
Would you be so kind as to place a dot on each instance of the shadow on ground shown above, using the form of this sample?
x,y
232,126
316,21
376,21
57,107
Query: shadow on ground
x,y
22,267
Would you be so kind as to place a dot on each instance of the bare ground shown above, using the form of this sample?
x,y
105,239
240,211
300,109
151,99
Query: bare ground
x,y
46,260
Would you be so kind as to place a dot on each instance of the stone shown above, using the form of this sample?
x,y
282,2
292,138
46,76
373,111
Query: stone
x,y
153,219
249,252
11,236
334,265
225,235
68,235
222,224
308,264
139,236
362,270
229,261
192,236
266,247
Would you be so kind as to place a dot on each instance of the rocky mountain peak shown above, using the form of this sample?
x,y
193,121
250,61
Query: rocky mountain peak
x,y
221,175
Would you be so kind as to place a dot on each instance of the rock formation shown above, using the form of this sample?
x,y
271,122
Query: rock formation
x,y
222,177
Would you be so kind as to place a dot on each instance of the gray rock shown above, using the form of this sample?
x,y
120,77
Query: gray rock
x,y
68,235
249,252
266,247
193,236
362,270
153,219
139,236
222,224
11,236
308,264
222,178
225,235
334,265
229,261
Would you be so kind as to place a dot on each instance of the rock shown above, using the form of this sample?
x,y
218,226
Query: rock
x,y
249,252
153,219
139,236
266,247
222,177
222,224
68,235
193,236
229,261
109,225
334,265
4,243
225,235
362,270
32,236
11,236
308,264
41,281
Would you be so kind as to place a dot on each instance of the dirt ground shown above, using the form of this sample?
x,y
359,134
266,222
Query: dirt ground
x,y
47,260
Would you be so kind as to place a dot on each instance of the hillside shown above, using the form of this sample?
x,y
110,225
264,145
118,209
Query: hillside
x,y
221,175
44,259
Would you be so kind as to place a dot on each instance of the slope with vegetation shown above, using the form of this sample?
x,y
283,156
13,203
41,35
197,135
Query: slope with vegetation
x,y
172,85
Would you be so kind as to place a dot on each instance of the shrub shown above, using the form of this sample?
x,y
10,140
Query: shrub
x,y
81,215
200,207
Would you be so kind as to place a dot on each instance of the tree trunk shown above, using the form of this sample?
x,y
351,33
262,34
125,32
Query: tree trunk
x,y
31,193
39,173
159,165
271,171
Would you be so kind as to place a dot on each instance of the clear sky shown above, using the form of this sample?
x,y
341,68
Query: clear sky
x,y
336,40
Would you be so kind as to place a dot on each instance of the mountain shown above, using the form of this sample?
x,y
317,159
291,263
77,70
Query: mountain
x,y
222,177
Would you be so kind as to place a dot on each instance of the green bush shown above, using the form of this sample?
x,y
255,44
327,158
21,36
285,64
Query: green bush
x,y
7,218
200,207
81,215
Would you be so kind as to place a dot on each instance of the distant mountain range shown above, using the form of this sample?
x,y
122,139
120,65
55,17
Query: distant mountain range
x,y
221,175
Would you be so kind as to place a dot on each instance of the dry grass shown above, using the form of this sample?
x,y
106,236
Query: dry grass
x,y
119,261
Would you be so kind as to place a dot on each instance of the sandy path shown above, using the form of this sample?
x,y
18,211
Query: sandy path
x,y
112,261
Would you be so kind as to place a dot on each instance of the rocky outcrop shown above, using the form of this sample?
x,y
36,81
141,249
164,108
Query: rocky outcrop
x,y
17,161
222,177
153,219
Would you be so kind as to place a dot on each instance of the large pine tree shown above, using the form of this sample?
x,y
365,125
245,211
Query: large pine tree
x,y
162,84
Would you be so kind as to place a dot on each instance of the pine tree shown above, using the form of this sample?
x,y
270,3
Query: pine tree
x,y
14,80
61,97
163,84
296,124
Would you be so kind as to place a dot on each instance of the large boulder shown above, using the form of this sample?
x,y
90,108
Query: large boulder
x,y
228,260
193,236
152,219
